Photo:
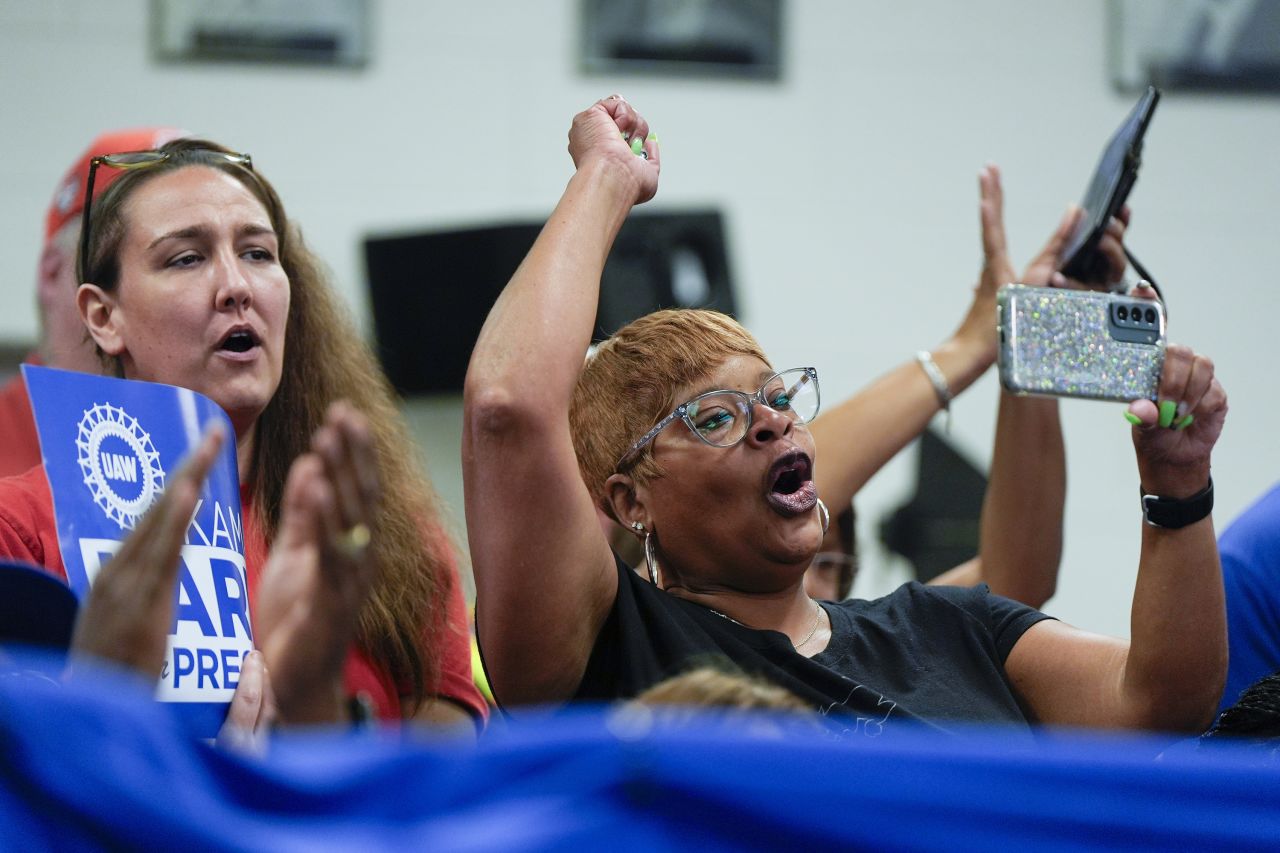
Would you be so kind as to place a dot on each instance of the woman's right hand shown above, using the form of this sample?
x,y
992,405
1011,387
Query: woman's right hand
x,y
612,132
252,711
977,332
129,609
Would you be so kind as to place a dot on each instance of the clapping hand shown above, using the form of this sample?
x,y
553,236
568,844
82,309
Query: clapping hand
x,y
128,613
320,569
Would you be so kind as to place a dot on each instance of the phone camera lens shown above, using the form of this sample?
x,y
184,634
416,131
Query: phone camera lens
x,y
1150,316
1122,313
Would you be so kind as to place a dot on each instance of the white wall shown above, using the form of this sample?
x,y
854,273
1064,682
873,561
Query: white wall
x,y
850,189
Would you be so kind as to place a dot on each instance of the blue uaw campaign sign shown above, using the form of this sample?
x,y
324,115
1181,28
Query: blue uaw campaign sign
x,y
108,445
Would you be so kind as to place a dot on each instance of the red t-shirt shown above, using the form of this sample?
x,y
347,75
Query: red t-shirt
x,y
28,532
19,441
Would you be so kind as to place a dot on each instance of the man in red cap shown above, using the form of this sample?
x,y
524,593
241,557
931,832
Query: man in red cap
x,y
63,342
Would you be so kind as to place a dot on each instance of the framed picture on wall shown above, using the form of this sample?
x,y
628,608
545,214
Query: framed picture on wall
x,y
310,32
689,38
1205,45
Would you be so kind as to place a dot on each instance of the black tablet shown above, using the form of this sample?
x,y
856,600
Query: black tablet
x,y
1112,179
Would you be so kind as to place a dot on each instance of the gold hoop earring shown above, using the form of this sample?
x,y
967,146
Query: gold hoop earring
x,y
826,516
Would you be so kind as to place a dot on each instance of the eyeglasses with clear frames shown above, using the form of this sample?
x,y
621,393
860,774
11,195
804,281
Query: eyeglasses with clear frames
x,y
133,160
723,418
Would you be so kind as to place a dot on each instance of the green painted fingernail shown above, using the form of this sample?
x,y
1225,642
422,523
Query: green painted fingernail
x,y
637,145
1132,418
1184,423
1168,409
653,136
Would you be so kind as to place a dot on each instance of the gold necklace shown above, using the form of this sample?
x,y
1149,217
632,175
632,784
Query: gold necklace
x,y
817,619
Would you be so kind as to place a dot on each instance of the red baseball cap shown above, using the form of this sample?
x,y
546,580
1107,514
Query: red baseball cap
x,y
68,200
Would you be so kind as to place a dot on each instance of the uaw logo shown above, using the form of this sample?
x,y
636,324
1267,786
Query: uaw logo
x,y
121,466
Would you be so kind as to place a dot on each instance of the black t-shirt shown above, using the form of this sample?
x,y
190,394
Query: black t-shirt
x,y
933,654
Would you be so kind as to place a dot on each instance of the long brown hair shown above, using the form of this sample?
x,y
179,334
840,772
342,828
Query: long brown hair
x,y
325,360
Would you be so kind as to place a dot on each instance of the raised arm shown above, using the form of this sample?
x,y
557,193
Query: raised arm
x,y
1021,538
1170,674
544,574
856,437
1020,531
1020,546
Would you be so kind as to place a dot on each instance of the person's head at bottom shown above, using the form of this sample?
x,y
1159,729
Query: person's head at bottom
x,y
722,686
1255,716
717,691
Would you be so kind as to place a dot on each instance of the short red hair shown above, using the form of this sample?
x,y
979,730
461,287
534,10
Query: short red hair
x,y
629,384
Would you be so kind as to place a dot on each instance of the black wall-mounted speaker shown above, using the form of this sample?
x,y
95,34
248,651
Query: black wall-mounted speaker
x,y
432,291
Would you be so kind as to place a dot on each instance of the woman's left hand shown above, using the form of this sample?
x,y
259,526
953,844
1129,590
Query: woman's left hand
x,y
977,331
1044,268
1174,439
320,570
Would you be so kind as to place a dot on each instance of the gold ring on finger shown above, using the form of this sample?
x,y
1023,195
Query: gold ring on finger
x,y
354,541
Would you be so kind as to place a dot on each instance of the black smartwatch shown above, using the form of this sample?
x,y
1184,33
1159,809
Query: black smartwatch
x,y
1175,513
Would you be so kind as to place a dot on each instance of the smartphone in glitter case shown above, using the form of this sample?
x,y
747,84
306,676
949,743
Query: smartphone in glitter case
x,y
1079,343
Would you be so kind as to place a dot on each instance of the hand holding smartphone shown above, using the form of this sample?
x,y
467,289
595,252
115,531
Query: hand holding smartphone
x,y
1108,190
1079,343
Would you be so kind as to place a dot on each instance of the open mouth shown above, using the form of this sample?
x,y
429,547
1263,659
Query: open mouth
x,y
790,488
239,341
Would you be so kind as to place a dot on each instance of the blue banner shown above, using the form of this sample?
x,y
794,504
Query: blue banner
x,y
610,779
108,445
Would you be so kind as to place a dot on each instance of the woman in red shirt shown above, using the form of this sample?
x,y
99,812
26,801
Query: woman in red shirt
x,y
195,277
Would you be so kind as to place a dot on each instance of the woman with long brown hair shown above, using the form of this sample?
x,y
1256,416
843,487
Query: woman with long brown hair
x,y
194,276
